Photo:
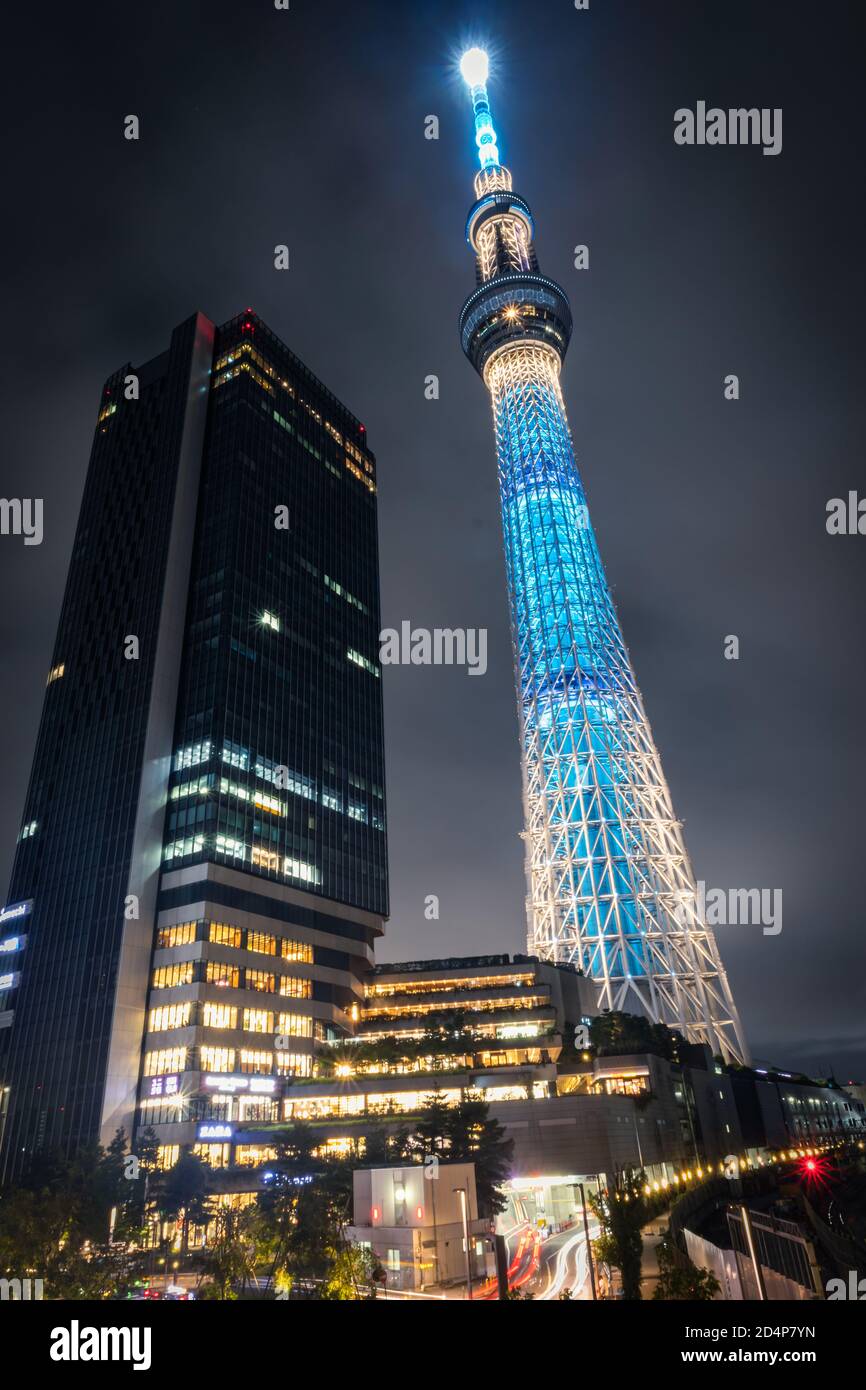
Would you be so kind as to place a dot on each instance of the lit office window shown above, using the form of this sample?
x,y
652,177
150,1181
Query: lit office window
x,y
179,849
297,950
191,756
358,660
185,789
224,935
217,1059
304,873
170,976
225,976
166,1060
236,756
266,858
294,1063
295,1026
344,594
262,943
217,1155
258,1021
169,1016
220,1016
252,1155
182,935
230,846
293,988
256,1063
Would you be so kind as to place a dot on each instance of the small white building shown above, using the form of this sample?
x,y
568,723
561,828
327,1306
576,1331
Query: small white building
x,y
412,1218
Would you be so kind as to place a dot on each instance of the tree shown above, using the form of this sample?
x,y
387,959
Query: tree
x,y
430,1135
182,1194
56,1226
622,1211
464,1133
680,1280
475,1138
230,1256
132,1218
34,1224
381,1146
353,1274
302,1214
613,1034
604,1252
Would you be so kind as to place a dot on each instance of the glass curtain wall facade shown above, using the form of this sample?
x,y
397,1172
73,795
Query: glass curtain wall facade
x,y
205,823
278,767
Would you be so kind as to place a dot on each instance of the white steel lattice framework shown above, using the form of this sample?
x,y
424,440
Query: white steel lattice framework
x,y
610,885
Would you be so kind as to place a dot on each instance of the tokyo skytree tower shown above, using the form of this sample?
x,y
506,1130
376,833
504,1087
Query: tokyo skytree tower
x,y
610,884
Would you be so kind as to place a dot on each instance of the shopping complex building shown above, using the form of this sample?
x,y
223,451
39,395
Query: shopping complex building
x,y
511,1032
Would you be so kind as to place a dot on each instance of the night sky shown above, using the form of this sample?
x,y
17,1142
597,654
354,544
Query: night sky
x,y
261,127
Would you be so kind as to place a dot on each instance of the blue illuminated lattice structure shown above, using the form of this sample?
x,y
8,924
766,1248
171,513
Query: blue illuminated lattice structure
x,y
610,884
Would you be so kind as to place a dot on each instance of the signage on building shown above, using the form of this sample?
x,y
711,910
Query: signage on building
x,y
215,1131
12,943
256,1085
164,1086
15,911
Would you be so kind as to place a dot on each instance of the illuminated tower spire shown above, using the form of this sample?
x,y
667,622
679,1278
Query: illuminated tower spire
x,y
610,884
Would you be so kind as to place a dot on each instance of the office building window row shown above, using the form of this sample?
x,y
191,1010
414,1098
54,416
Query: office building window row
x,y
225,1061
224,934
229,1017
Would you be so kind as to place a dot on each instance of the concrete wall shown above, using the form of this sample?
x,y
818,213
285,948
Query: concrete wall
x,y
579,1134
412,1218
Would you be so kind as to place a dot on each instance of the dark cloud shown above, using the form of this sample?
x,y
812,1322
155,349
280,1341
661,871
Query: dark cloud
x,y
306,127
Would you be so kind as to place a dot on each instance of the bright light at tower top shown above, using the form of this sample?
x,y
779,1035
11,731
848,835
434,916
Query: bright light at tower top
x,y
475,70
475,67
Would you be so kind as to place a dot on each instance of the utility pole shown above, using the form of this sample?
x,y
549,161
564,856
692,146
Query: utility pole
x,y
464,1210
588,1243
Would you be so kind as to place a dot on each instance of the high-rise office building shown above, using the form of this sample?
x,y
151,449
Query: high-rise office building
x,y
202,866
610,884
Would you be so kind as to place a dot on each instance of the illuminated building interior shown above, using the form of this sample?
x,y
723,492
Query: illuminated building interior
x,y
221,1055
414,1029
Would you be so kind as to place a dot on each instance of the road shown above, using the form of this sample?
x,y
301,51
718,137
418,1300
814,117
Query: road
x,y
544,1268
